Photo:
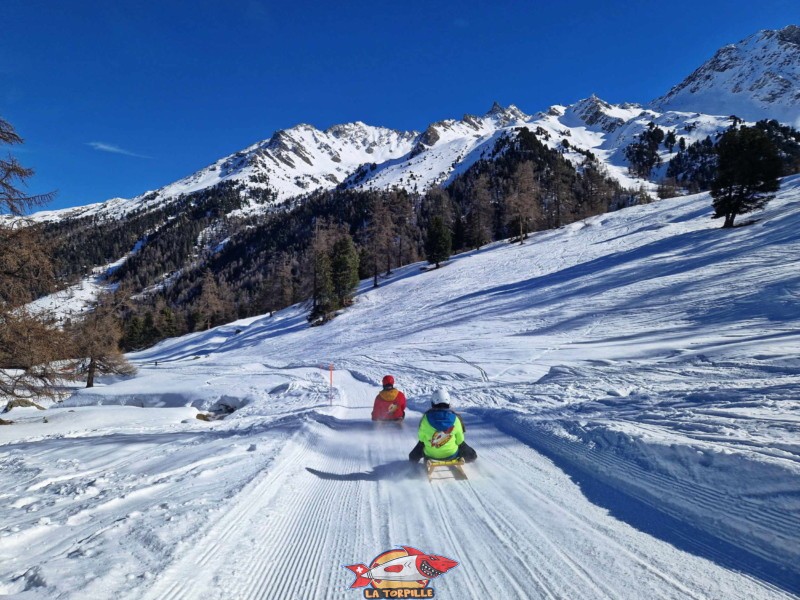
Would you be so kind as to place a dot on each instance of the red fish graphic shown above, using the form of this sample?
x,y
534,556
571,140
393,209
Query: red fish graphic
x,y
415,566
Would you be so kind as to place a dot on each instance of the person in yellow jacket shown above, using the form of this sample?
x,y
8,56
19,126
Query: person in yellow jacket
x,y
441,433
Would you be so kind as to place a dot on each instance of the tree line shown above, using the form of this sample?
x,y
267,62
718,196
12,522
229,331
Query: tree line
x,y
192,264
694,166
317,249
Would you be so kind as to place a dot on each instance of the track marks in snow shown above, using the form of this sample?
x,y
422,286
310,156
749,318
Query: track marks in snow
x,y
203,556
340,492
304,525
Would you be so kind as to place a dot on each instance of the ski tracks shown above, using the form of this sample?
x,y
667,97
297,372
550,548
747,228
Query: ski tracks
x,y
192,575
341,492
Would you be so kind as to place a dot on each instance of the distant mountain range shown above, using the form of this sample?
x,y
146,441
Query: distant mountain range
x,y
757,78
248,219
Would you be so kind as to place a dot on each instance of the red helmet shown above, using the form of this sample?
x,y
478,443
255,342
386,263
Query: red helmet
x,y
388,380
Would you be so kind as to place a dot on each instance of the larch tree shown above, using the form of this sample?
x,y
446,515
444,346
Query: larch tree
x,y
402,214
278,287
30,343
210,303
479,215
13,176
522,200
379,237
96,342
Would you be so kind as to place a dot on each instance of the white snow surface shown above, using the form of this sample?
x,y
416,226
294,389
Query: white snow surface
x,y
629,382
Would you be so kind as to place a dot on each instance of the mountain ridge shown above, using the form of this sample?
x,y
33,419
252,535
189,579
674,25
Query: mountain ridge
x,y
757,77
302,159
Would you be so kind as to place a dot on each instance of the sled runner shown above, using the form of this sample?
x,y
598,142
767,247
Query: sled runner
x,y
455,467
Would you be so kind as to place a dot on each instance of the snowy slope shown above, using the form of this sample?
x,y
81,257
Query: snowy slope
x,y
303,158
629,383
757,78
290,163
607,130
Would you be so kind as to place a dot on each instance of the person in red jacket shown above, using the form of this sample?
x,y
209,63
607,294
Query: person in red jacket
x,y
390,403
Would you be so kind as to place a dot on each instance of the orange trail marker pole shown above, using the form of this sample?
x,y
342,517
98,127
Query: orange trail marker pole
x,y
330,389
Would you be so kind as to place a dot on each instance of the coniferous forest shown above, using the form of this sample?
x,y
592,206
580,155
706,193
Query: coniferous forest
x,y
196,263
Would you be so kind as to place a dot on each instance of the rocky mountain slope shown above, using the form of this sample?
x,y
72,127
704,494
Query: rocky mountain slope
x,y
756,78
303,159
177,230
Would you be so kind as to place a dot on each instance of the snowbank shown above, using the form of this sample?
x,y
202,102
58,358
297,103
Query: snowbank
x,y
699,485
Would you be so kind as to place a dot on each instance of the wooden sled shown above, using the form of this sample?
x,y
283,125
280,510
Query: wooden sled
x,y
455,467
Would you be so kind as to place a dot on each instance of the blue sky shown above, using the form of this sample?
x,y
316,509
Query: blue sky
x,y
117,97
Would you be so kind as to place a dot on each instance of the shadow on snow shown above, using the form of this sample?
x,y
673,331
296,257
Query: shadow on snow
x,y
655,523
394,470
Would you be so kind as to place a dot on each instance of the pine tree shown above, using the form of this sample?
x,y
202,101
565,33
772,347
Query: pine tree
x,y
643,154
747,173
132,337
598,193
150,330
168,322
438,237
344,270
670,140
438,242
322,292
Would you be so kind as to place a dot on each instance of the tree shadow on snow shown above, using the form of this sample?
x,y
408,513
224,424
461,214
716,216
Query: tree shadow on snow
x,y
397,469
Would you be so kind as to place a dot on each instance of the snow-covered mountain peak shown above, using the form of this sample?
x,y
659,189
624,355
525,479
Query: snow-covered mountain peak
x,y
445,149
597,114
756,78
505,115
788,35
496,109
366,135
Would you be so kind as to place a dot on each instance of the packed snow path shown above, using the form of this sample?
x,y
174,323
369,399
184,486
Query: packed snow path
x,y
341,491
